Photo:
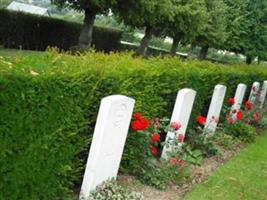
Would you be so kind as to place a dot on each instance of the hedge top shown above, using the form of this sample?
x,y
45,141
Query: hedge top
x,y
52,62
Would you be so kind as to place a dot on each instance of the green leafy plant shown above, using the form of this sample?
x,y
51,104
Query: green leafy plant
x,y
201,142
241,130
160,176
193,156
155,171
226,141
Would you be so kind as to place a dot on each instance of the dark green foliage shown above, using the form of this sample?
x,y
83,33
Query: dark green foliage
x,y
225,141
49,103
197,140
19,30
138,145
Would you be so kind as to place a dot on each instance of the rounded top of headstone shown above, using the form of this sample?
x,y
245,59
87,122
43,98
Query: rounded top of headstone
x,y
118,97
219,86
187,90
242,84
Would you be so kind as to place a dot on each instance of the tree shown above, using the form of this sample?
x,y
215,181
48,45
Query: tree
x,y
214,34
145,14
91,8
255,39
237,25
189,20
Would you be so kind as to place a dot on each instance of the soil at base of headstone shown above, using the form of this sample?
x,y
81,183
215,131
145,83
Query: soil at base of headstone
x,y
199,175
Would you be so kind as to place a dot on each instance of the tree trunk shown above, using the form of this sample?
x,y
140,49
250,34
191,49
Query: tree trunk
x,y
249,60
203,53
175,43
85,39
191,50
142,49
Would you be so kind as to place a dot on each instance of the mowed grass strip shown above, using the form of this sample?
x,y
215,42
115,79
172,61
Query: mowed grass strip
x,y
244,177
15,52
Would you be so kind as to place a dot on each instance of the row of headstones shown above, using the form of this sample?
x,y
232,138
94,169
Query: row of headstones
x,y
114,119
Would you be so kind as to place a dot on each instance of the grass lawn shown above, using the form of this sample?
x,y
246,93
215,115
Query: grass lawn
x,y
13,52
244,177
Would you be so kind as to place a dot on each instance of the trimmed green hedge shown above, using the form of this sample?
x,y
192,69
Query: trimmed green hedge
x,y
33,32
49,103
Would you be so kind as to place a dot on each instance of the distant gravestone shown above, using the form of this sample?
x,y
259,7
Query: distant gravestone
x,y
215,108
254,90
108,142
181,114
263,94
239,96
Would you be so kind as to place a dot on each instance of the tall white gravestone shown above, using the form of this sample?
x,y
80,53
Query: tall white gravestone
x,y
215,108
239,96
254,90
181,114
108,141
263,94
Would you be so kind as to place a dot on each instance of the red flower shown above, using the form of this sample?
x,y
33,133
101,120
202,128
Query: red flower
x,y
173,161
231,120
248,105
234,111
201,120
137,115
180,164
231,101
181,137
254,88
175,125
155,137
239,115
140,124
153,150
256,116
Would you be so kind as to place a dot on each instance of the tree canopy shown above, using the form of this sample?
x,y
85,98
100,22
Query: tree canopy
x,y
238,26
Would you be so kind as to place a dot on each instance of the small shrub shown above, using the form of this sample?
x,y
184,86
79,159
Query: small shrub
x,y
112,190
241,130
198,141
160,176
263,122
151,169
225,141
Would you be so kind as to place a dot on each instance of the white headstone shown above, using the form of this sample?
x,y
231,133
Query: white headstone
x,y
215,108
108,142
254,90
239,96
181,114
263,94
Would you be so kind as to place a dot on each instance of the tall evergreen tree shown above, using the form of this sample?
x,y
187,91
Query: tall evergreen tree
x,y
145,14
214,34
255,39
189,20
